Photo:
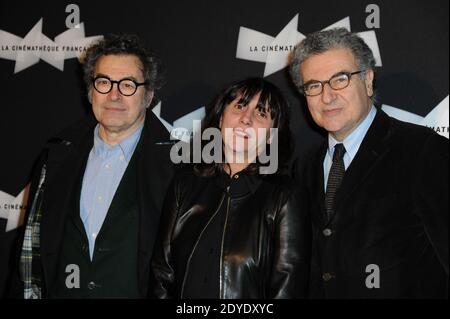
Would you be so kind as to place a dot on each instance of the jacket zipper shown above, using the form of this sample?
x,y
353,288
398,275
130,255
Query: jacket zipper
x,y
196,244
221,294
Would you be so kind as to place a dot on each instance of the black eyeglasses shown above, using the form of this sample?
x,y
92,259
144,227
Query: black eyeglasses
x,y
127,87
337,82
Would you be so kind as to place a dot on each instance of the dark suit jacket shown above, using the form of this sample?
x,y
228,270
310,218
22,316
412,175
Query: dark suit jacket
x,y
67,155
391,211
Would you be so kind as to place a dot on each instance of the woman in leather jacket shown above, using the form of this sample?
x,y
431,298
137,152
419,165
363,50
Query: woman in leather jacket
x,y
229,229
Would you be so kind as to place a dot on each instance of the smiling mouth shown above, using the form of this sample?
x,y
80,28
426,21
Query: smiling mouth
x,y
241,133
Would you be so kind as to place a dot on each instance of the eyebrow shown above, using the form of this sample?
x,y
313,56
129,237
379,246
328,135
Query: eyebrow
x,y
337,73
125,78
263,108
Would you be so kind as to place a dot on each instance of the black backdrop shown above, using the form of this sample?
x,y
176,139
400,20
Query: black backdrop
x,y
197,41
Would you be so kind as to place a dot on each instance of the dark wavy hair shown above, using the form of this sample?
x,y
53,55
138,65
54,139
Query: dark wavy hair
x,y
124,44
279,111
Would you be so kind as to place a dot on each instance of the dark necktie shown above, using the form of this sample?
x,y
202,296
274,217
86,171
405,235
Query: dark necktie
x,y
334,178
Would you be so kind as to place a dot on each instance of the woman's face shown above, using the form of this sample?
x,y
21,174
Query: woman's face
x,y
245,129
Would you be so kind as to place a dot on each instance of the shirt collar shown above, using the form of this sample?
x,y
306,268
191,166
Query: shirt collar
x,y
354,140
125,148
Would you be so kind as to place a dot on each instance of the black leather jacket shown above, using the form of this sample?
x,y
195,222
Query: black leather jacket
x,y
265,246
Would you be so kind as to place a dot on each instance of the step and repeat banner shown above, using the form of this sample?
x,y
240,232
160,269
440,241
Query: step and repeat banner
x,y
204,45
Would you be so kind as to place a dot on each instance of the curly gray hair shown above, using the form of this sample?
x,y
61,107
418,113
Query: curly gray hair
x,y
321,41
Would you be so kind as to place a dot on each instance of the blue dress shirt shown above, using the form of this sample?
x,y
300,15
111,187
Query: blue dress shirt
x,y
351,143
104,170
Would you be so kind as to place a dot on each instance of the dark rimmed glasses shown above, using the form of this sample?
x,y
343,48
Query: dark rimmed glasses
x,y
127,87
338,81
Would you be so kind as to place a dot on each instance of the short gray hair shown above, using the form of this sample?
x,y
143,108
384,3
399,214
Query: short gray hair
x,y
322,41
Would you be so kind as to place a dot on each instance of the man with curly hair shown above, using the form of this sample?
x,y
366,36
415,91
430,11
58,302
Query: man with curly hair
x,y
98,186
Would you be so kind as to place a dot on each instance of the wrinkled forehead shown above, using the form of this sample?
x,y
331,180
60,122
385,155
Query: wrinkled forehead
x,y
322,66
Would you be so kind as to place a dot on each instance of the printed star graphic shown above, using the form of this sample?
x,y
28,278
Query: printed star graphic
x,y
288,37
183,127
436,119
25,58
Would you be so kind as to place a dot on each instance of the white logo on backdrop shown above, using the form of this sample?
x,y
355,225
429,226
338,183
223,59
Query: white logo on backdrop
x,y
36,46
274,51
437,119
182,128
12,208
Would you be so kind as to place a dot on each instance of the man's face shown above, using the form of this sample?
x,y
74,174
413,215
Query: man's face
x,y
337,111
115,112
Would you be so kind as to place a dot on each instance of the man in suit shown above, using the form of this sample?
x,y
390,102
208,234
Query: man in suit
x,y
99,185
378,188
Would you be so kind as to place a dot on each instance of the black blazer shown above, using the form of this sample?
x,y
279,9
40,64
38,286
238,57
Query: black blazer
x,y
391,210
67,154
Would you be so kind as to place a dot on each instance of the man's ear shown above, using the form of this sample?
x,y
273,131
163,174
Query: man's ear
x,y
89,95
369,82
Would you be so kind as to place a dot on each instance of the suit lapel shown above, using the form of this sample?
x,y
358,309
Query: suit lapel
x,y
154,174
67,161
74,201
371,150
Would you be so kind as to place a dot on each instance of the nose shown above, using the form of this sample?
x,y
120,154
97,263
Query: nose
x,y
114,94
246,117
328,94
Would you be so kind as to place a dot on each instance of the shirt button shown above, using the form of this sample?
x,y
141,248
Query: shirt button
x,y
121,158
94,235
100,199
91,285
236,176
327,276
107,166
327,232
